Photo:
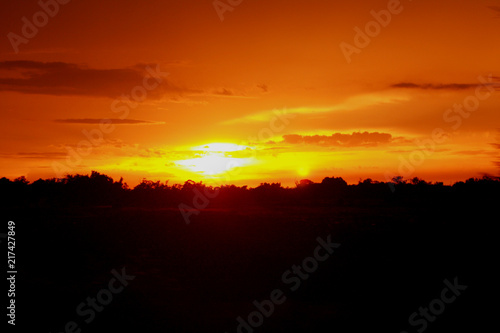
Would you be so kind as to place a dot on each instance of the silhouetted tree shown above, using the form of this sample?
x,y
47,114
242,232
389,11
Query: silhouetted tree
x,y
497,145
303,183
98,189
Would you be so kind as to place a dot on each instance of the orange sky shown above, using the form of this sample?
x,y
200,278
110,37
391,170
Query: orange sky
x,y
276,91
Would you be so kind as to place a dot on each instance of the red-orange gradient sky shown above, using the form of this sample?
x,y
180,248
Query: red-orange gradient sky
x,y
276,91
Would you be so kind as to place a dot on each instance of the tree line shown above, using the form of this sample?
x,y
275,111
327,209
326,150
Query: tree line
x,y
98,189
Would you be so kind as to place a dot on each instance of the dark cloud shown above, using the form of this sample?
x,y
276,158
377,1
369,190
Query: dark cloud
x,y
496,85
431,86
446,86
224,92
409,151
475,152
60,78
339,139
495,8
114,121
67,79
37,155
264,87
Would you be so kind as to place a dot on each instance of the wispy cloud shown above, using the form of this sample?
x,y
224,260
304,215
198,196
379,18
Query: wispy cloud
x,y
352,103
355,139
69,79
60,78
443,86
431,86
222,92
475,152
114,121
496,9
496,84
264,87
36,155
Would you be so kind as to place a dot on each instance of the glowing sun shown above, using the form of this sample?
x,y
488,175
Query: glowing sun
x,y
215,159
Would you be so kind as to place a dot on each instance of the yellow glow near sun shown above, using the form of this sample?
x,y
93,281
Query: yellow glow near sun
x,y
219,147
303,171
215,159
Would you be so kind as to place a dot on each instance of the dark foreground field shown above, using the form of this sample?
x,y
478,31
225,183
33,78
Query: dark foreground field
x,y
393,259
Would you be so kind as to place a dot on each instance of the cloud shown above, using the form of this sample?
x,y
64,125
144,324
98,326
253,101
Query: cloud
x,y
496,84
224,92
36,155
409,151
431,86
355,139
60,78
475,152
264,87
496,9
114,121
349,104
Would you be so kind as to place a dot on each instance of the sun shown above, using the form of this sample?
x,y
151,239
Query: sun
x,y
215,159
303,171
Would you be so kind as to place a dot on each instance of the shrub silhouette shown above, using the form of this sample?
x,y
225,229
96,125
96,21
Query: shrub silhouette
x,y
98,189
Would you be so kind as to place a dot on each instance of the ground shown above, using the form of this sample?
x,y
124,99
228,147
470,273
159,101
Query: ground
x,y
201,277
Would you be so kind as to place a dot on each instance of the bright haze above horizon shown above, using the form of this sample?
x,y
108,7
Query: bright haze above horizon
x,y
250,91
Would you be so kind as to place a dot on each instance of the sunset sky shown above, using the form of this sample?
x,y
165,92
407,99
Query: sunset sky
x,y
257,91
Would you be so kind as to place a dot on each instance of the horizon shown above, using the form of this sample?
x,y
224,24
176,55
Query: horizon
x,y
216,184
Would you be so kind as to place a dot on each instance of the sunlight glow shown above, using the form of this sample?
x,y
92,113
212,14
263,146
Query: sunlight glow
x,y
213,164
219,147
215,159
303,171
